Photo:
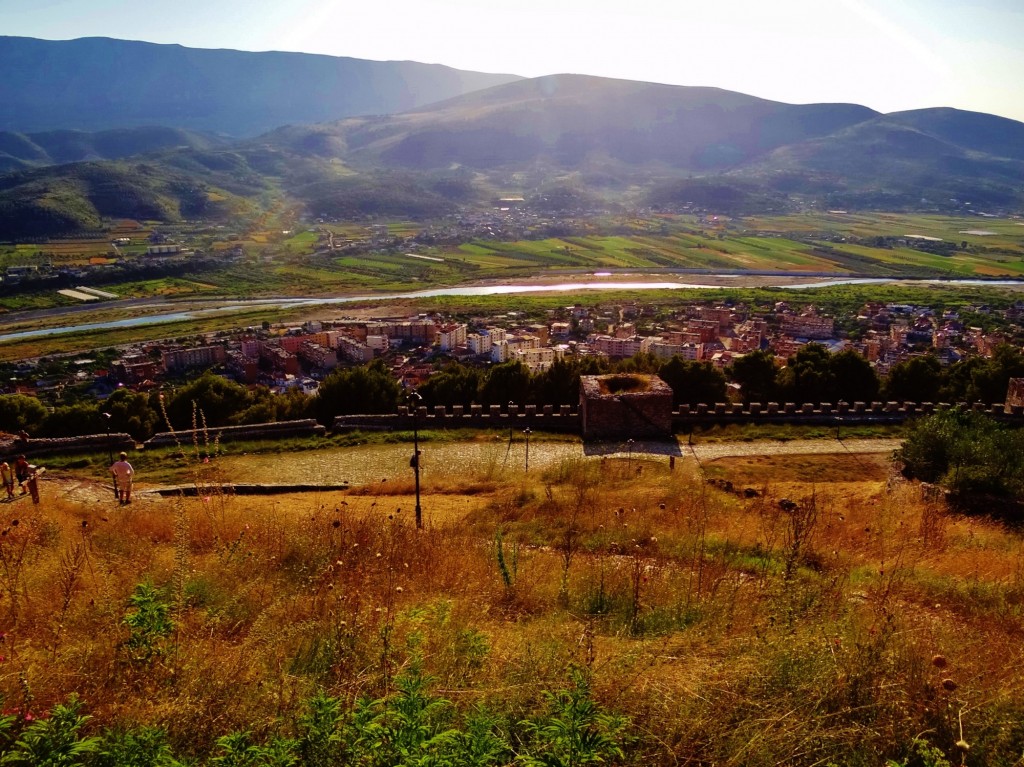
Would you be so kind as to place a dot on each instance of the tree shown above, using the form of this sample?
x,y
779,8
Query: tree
x,y
807,376
990,382
72,420
693,382
560,383
642,362
454,385
957,378
966,452
507,382
20,413
853,378
914,380
365,389
131,412
210,400
756,374
267,407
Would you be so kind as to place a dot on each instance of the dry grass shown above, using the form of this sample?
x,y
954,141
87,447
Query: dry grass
x,y
797,627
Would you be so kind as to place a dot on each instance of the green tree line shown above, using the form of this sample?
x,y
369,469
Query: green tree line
x,y
813,374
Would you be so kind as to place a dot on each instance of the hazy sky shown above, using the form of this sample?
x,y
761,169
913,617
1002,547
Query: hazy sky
x,y
885,54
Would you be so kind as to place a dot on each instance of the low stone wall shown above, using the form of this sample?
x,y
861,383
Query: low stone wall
x,y
545,418
305,428
827,414
564,419
87,443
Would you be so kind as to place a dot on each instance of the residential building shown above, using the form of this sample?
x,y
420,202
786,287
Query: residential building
x,y
192,357
450,336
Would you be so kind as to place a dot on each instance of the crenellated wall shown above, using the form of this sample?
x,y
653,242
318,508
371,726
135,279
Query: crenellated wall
x,y
564,419
827,414
544,418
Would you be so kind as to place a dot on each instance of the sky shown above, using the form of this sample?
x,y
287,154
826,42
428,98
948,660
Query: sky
x,y
889,55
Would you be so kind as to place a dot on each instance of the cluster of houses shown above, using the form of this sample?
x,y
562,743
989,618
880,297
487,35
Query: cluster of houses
x,y
298,357
719,334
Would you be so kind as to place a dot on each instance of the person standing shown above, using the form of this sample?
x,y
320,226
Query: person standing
x,y
7,474
123,474
21,471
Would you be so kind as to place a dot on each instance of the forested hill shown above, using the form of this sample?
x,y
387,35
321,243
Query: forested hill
x,y
101,83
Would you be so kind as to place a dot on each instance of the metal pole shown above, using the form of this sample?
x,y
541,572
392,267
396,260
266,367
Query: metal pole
x,y
416,399
526,431
110,449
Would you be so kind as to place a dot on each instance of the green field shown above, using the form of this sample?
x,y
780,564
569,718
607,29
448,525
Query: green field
x,y
872,244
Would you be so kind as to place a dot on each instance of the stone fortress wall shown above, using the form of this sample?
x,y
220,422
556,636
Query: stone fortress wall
x,y
563,419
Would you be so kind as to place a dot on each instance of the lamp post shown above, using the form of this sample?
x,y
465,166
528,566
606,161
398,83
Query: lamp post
x,y
110,454
415,399
527,432
110,450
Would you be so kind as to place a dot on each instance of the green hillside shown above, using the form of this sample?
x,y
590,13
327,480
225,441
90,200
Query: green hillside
x,y
69,198
568,144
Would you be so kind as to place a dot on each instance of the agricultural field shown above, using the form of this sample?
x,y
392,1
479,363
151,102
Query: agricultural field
x,y
805,243
995,246
288,261
647,252
800,618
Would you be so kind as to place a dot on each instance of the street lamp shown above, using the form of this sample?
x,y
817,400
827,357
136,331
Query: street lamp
x,y
110,449
414,462
110,452
527,432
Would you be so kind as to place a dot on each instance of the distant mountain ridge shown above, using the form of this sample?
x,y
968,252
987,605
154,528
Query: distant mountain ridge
x,y
924,156
572,119
569,144
100,83
21,150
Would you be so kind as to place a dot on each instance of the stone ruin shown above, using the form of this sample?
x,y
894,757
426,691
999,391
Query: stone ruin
x,y
625,405
1014,395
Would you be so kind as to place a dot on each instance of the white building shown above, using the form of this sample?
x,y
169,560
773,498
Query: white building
x,y
500,351
537,360
451,336
479,343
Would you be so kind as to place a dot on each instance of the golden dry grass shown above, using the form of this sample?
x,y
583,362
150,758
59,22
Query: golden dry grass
x,y
731,630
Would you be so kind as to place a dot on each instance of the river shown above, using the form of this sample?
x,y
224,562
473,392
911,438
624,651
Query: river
x,y
226,307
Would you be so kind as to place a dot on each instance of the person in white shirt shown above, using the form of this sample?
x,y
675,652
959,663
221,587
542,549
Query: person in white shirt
x,y
123,474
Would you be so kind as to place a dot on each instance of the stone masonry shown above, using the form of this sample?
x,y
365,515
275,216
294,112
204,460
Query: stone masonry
x,y
621,406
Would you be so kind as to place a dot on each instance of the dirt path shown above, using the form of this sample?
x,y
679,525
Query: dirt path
x,y
373,464
711,451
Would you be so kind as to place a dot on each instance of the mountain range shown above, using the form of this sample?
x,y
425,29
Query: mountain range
x,y
97,83
565,142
